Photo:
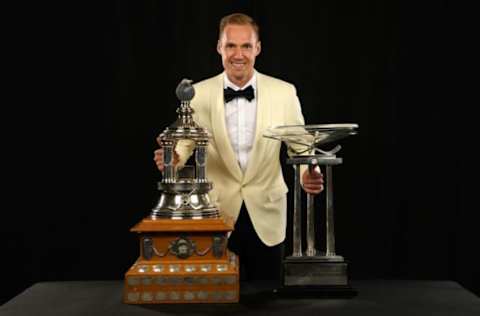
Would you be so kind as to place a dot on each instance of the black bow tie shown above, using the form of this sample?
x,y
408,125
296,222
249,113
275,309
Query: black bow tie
x,y
229,94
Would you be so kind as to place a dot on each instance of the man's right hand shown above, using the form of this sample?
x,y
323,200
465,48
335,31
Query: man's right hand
x,y
158,157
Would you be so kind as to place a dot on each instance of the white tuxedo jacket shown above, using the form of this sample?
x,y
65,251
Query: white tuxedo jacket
x,y
262,187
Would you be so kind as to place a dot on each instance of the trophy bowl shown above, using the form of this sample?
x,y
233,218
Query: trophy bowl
x,y
308,138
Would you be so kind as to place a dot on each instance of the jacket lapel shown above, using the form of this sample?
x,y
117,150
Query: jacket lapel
x,y
220,134
263,121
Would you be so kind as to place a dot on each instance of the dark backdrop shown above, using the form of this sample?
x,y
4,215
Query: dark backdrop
x,y
97,86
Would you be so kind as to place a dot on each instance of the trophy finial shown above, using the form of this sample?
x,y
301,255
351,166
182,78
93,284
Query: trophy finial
x,y
185,91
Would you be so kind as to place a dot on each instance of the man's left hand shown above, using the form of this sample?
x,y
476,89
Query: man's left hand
x,y
313,182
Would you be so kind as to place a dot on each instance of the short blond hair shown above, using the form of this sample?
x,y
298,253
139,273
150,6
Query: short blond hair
x,y
238,19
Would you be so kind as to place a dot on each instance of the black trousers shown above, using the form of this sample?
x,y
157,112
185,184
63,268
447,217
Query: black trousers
x,y
257,260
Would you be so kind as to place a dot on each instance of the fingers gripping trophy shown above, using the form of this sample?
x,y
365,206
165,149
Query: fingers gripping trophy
x,y
183,242
308,270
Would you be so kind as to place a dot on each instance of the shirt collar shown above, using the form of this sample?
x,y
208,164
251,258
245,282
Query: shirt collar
x,y
252,82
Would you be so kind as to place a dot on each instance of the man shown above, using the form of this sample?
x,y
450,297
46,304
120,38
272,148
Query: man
x,y
236,107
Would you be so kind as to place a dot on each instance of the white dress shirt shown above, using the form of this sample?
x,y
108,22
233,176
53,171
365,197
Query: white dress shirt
x,y
240,119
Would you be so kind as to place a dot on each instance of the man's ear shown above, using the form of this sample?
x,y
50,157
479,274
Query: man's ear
x,y
259,48
219,47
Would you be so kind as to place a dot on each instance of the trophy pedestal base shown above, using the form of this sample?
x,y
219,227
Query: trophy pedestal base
x,y
183,261
317,276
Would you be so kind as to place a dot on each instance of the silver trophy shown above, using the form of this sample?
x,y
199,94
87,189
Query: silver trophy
x,y
185,191
183,241
311,270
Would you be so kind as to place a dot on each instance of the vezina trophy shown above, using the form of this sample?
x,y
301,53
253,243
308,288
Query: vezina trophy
x,y
308,270
183,242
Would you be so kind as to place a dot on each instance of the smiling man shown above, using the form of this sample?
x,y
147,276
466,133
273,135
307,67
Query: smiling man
x,y
237,106
239,46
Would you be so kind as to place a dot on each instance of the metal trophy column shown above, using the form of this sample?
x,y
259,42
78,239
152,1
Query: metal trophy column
x,y
311,250
311,269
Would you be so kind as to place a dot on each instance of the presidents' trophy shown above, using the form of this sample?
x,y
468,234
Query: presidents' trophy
x,y
309,270
183,242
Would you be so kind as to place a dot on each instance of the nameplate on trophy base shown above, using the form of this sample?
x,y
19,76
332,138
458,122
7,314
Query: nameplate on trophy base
x,y
319,277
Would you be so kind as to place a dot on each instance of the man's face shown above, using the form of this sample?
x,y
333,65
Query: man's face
x,y
238,46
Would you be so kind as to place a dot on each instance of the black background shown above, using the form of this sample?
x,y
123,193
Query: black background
x,y
93,85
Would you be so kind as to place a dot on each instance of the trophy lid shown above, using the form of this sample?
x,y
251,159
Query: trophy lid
x,y
185,127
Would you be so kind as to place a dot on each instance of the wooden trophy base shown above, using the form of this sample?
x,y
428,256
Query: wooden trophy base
x,y
183,261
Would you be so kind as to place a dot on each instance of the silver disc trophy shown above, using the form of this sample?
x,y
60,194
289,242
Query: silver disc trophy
x,y
310,270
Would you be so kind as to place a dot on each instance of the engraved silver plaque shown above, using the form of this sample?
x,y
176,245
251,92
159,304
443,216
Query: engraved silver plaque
x,y
202,295
188,296
230,295
147,297
133,281
222,267
206,267
157,268
133,296
160,296
216,295
161,280
147,280
174,296
174,268
190,268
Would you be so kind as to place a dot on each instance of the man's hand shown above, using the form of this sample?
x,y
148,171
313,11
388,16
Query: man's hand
x,y
313,182
158,157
